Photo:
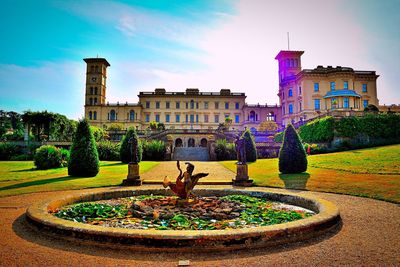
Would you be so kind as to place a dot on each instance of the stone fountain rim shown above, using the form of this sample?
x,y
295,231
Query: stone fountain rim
x,y
327,217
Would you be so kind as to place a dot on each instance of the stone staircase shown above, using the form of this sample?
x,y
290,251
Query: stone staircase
x,y
191,153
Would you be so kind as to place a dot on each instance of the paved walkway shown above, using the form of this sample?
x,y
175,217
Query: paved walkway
x,y
370,236
218,174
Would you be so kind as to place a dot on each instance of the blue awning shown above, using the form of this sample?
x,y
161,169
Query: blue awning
x,y
336,93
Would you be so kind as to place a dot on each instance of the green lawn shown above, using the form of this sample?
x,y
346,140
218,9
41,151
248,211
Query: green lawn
x,y
371,172
19,177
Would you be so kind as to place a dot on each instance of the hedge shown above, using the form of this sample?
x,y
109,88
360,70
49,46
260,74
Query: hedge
x,y
225,150
292,156
153,150
319,130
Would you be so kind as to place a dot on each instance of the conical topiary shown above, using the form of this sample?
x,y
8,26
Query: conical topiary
x,y
251,150
84,159
125,152
292,156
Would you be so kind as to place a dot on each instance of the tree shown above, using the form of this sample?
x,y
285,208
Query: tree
x,y
292,156
251,150
84,159
125,152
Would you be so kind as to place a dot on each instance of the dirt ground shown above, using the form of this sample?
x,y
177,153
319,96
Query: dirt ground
x,y
369,236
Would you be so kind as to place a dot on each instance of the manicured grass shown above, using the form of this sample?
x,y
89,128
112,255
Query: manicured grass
x,y
19,177
371,172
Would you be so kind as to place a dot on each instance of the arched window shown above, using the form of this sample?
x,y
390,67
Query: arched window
x,y
292,63
203,142
95,100
90,101
131,115
287,62
90,115
192,104
178,142
270,116
296,62
91,90
191,142
252,116
95,90
95,115
113,115
92,69
97,69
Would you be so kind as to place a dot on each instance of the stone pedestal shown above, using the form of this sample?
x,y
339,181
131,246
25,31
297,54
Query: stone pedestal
x,y
133,177
242,176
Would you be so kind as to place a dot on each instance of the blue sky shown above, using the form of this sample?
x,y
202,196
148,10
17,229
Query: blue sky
x,y
180,44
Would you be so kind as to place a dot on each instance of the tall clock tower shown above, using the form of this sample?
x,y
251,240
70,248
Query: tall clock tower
x,y
96,75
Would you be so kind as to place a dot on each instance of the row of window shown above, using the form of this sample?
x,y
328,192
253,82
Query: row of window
x,y
93,91
292,62
317,105
96,69
93,101
192,118
290,92
93,115
192,105
345,86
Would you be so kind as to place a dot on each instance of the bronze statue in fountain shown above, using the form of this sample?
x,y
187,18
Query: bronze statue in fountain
x,y
185,182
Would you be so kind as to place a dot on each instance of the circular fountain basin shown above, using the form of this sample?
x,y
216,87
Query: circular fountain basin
x,y
327,217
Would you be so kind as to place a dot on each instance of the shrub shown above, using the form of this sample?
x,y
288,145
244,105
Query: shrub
x,y
225,150
64,157
48,157
108,150
153,150
278,137
9,150
84,159
125,153
251,150
318,130
99,134
292,156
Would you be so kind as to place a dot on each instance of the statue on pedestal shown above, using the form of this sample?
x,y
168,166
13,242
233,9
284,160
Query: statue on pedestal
x,y
133,177
240,145
185,182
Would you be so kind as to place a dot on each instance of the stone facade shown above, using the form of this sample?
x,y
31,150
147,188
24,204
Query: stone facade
x,y
308,93
189,110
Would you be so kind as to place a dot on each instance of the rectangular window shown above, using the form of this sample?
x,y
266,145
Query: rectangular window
x,y
299,90
346,102
191,118
237,118
300,106
317,104
345,85
147,117
178,105
205,118
316,87
157,104
333,86
167,105
364,88
187,118
216,118
166,117
290,109
216,105
197,118
237,106
290,92
177,118
365,103
283,95
197,105
187,105
147,104
226,105
205,105
157,117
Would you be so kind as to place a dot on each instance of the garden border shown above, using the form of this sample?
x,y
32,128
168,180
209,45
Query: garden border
x,y
326,219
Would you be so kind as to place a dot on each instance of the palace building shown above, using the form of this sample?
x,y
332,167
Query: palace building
x,y
308,93
303,93
191,109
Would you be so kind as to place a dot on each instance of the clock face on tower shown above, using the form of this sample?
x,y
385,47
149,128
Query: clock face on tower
x,y
94,79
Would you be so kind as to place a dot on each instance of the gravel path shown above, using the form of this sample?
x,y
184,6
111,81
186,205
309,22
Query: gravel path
x,y
217,172
370,236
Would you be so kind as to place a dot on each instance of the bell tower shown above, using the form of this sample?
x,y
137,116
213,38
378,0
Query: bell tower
x,y
96,75
289,63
